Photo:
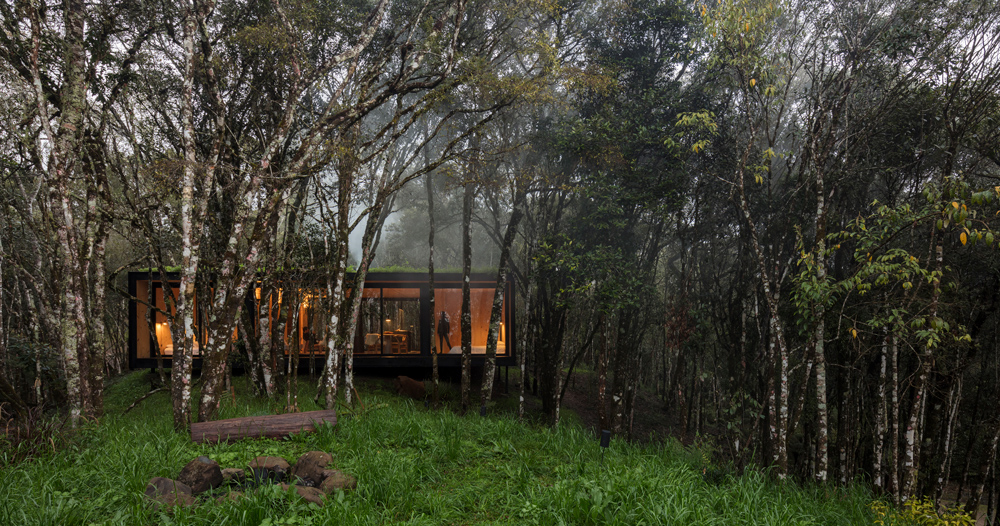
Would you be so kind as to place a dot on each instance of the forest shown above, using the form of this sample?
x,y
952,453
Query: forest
x,y
776,216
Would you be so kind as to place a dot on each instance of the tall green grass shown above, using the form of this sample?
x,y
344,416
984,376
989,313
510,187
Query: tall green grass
x,y
414,466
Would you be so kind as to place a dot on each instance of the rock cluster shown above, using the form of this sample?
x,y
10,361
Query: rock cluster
x,y
202,478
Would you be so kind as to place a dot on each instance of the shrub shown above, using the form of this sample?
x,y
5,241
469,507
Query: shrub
x,y
33,435
919,512
28,361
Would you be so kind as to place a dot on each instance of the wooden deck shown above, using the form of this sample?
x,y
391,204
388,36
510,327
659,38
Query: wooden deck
x,y
266,426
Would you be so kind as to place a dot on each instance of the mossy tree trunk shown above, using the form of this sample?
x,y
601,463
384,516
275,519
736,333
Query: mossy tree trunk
x,y
435,374
489,371
468,197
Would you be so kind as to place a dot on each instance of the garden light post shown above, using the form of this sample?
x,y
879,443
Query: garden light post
x,y
605,442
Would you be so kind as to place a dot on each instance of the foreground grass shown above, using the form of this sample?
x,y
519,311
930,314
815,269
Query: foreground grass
x,y
414,466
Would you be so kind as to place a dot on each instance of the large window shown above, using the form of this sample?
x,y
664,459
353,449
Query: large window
x,y
160,337
394,319
312,323
389,321
448,325
310,327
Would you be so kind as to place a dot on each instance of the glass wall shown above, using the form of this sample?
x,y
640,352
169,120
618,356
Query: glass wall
x,y
370,324
312,323
311,326
389,321
160,338
448,326
393,319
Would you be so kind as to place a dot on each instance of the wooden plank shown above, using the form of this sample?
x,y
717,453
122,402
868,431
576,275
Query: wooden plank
x,y
265,426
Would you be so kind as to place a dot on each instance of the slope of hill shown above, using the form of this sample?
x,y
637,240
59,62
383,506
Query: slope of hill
x,y
414,466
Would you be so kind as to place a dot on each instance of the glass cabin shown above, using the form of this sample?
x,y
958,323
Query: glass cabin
x,y
395,326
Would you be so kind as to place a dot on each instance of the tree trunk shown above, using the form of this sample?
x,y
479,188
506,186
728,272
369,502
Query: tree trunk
x,y
911,451
634,384
344,315
926,360
971,441
101,354
183,335
822,419
156,349
329,380
880,424
779,350
3,333
435,374
623,349
894,465
246,328
226,310
222,323
489,371
954,399
522,360
602,374
8,394
292,374
369,244
800,404
279,348
466,320
265,340
991,507
36,332
63,161
560,378
972,507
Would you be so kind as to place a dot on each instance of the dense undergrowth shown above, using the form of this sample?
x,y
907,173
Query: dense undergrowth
x,y
414,466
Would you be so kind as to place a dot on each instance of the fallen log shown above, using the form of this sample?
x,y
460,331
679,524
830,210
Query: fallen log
x,y
265,426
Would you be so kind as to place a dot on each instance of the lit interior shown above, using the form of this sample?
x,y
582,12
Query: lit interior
x,y
390,322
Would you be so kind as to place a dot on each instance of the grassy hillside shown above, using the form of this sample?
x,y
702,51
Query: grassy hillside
x,y
414,466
